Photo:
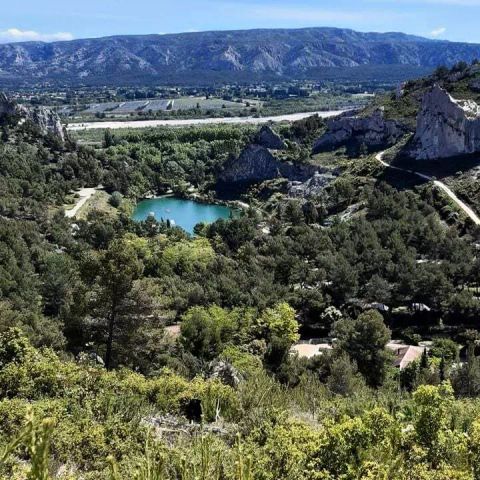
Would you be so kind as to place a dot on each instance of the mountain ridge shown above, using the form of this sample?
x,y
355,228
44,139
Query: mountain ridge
x,y
222,55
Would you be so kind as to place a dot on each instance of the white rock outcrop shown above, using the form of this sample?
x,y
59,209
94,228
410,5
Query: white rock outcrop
x,y
374,131
312,187
44,118
446,127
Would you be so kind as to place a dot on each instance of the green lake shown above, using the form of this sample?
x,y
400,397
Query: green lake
x,y
183,213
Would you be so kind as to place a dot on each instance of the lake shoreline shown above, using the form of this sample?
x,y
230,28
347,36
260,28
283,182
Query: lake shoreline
x,y
183,212
199,198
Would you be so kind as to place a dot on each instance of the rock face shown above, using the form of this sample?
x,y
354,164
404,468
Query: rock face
x,y
312,187
267,138
257,164
446,127
44,118
374,132
7,106
47,120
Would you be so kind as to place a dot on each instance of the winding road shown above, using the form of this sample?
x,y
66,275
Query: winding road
x,y
462,205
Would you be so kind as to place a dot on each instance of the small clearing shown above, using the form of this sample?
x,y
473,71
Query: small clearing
x,y
85,194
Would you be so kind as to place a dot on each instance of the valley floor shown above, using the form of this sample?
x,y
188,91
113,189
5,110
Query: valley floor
x,y
201,121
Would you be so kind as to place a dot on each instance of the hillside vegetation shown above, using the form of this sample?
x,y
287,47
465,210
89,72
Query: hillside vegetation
x,y
462,81
132,350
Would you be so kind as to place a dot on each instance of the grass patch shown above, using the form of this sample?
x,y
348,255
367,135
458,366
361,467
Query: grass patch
x,y
97,202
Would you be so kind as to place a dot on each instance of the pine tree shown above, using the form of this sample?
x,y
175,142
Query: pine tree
x,y
442,369
424,360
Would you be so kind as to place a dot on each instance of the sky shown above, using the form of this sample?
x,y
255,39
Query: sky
x,y
49,20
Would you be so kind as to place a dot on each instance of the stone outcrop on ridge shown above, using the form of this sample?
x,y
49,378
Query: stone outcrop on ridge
x,y
256,164
268,138
44,118
373,131
445,127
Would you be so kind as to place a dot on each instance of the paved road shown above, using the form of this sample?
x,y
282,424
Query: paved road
x,y
474,217
85,194
200,121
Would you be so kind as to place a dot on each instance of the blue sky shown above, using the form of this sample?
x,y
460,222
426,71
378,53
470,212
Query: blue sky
x,y
65,19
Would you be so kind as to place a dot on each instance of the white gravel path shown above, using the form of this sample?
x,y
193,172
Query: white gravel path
x,y
471,214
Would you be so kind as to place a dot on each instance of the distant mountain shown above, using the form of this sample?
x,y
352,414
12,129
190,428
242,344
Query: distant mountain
x,y
220,56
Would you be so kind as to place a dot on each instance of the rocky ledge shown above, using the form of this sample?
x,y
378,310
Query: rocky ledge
x,y
44,118
374,132
445,127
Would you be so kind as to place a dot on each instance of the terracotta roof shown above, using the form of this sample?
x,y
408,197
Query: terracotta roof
x,y
405,354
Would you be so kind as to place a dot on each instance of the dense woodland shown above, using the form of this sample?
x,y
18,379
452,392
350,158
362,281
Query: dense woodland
x,y
93,385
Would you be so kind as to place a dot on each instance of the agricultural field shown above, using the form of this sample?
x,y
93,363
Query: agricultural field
x,y
129,107
156,107
205,104
101,107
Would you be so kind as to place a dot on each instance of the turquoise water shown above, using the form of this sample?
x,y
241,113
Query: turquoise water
x,y
185,213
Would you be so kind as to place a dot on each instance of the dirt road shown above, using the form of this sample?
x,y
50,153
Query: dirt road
x,y
85,194
462,205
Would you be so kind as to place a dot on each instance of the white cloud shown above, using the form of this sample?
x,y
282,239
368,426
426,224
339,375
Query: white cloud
x,y
438,31
17,35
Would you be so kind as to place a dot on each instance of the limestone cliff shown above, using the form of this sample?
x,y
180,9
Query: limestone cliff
x,y
7,106
267,138
256,164
47,120
445,127
373,131
44,118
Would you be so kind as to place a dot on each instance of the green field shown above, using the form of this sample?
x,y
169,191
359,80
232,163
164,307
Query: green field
x,y
190,103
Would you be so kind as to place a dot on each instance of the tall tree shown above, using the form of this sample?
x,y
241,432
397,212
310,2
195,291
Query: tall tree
x,y
119,268
364,340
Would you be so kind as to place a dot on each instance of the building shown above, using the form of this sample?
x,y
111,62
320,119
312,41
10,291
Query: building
x,y
309,350
403,354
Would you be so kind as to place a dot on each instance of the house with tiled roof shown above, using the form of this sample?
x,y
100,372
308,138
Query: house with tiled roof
x,y
403,354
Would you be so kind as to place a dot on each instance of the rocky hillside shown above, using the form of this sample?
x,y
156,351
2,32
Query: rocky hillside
x,y
446,127
43,118
371,132
256,164
259,54
441,112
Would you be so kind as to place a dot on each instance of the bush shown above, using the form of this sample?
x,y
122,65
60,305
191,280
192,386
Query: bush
x,y
115,199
